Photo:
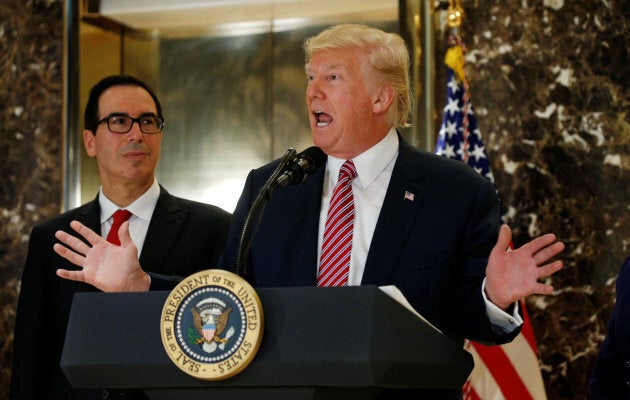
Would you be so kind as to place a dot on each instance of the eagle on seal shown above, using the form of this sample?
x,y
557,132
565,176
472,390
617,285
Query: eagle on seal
x,y
210,325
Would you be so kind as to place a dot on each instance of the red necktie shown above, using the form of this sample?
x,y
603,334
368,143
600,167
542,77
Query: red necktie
x,y
334,265
120,216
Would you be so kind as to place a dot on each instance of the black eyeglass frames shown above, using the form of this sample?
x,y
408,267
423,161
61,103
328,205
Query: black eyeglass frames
x,y
123,123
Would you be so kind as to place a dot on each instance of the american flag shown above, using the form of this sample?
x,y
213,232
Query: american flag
x,y
459,137
509,371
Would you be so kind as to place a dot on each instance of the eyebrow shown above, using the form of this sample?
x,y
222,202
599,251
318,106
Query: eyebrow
x,y
331,66
124,114
336,65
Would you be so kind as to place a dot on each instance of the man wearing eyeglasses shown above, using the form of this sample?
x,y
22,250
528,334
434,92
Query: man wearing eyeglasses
x,y
174,236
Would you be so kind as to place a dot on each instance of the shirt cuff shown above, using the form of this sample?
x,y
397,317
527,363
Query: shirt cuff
x,y
500,318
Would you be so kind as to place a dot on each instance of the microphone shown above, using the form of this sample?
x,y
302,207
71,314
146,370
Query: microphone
x,y
291,169
296,170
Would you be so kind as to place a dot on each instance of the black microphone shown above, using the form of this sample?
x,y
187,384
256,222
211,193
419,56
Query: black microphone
x,y
291,169
296,170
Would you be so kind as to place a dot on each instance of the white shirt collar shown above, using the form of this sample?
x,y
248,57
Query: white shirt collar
x,y
141,208
370,163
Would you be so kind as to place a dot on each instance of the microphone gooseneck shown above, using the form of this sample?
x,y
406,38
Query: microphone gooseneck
x,y
292,169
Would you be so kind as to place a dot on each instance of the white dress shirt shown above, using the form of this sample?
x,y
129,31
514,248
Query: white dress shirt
x,y
374,171
142,210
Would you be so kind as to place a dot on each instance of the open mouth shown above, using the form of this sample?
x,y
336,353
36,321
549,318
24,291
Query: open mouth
x,y
322,119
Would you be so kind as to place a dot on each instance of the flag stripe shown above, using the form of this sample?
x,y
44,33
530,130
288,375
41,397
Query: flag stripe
x,y
507,364
526,365
502,370
527,329
481,384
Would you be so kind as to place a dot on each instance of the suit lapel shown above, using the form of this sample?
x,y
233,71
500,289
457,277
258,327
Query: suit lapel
x,y
166,224
90,215
398,214
305,207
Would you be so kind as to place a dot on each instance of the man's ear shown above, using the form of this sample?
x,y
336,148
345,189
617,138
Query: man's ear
x,y
89,141
384,98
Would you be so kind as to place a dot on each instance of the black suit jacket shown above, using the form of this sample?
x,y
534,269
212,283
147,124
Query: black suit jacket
x,y
434,248
610,378
183,237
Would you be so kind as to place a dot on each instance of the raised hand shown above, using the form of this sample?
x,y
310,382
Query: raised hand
x,y
512,275
105,266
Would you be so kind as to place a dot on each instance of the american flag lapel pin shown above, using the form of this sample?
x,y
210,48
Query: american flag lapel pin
x,y
409,196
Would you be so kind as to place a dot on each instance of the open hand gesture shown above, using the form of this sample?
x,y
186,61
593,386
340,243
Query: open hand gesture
x,y
105,266
512,275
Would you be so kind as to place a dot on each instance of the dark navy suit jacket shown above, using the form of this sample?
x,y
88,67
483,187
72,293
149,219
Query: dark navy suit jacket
x,y
434,248
610,378
183,237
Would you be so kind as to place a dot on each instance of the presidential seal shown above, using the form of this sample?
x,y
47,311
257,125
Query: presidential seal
x,y
212,324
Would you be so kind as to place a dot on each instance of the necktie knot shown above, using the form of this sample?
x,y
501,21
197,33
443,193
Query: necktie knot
x,y
120,216
347,171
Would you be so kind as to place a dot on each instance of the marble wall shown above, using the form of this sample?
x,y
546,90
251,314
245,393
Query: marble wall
x,y
549,83
31,48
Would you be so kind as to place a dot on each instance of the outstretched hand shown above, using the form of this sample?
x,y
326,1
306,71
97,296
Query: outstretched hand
x,y
105,266
512,275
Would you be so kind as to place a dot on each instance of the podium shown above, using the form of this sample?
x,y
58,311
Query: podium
x,y
318,343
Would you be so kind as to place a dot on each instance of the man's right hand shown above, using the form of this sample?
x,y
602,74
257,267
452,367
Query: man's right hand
x,y
105,266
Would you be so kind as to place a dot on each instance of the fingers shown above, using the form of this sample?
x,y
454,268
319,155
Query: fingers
x,y
549,269
548,252
74,258
123,234
541,288
73,242
538,243
91,236
505,237
71,275
542,248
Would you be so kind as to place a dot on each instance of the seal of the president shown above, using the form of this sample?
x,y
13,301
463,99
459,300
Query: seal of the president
x,y
212,324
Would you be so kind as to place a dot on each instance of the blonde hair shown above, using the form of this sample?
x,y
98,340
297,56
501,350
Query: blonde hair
x,y
388,58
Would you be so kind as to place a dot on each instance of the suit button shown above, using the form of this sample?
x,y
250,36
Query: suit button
x,y
626,363
627,382
104,394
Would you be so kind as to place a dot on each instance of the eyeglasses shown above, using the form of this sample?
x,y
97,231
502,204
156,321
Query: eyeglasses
x,y
123,123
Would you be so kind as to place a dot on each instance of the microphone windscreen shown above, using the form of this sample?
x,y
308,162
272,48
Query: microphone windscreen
x,y
315,157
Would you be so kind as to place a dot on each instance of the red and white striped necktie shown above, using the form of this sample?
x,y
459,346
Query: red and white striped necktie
x,y
334,265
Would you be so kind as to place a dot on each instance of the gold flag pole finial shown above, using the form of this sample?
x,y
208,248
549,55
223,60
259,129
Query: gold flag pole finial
x,y
454,14
454,57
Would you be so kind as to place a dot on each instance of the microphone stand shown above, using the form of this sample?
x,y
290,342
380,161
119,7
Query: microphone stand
x,y
261,200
